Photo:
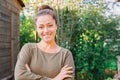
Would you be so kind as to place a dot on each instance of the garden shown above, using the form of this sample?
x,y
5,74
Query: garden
x,y
91,36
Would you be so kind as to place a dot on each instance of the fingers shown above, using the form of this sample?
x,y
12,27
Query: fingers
x,y
67,71
65,76
66,68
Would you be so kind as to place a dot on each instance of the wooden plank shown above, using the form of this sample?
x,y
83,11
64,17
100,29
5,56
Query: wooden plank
x,y
4,17
4,52
4,45
5,70
2,2
4,12
5,74
4,8
4,23
5,28
14,7
4,32
4,65
7,7
4,60
4,38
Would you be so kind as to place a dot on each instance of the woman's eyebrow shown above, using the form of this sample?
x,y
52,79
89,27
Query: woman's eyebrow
x,y
49,23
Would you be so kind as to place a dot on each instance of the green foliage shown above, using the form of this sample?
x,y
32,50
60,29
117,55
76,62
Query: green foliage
x,y
91,37
25,1
109,79
27,30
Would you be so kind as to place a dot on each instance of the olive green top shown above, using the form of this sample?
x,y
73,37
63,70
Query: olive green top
x,y
43,65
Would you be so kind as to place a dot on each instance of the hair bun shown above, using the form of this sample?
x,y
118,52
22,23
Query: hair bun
x,y
42,7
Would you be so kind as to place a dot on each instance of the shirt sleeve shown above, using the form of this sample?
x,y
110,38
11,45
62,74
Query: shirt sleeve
x,y
21,73
70,62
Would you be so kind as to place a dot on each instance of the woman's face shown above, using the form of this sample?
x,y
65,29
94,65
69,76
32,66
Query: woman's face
x,y
46,27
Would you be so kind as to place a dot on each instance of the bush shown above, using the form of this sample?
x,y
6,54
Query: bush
x,y
91,37
27,30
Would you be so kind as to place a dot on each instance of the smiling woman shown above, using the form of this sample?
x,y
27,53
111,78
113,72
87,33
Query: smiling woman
x,y
45,60
46,28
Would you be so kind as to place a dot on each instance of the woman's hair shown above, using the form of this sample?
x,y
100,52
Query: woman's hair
x,y
45,10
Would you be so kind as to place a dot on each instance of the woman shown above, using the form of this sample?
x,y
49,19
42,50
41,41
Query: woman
x,y
45,60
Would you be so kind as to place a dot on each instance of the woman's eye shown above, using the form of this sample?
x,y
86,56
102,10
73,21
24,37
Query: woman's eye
x,y
50,25
40,27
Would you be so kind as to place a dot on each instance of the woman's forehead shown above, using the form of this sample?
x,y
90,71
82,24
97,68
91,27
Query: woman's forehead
x,y
46,19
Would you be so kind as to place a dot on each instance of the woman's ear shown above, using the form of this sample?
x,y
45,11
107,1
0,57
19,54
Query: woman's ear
x,y
56,27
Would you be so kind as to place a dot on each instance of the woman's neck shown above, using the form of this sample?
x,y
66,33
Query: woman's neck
x,y
47,45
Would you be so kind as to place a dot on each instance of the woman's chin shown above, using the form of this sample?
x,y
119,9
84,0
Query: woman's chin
x,y
47,40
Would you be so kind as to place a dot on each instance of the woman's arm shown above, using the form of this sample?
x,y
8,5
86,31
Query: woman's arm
x,y
64,73
70,62
21,72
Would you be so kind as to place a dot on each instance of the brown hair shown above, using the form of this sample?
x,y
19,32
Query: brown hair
x,y
44,10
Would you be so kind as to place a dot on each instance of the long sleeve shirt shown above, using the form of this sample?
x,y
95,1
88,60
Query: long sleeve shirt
x,y
43,65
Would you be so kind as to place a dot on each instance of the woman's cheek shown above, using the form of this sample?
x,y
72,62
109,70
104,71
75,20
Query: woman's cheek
x,y
40,34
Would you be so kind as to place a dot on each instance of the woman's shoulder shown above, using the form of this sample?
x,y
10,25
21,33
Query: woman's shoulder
x,y
27,48
65,51
29,45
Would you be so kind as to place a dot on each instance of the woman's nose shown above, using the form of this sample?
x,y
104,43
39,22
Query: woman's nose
x,y
46,29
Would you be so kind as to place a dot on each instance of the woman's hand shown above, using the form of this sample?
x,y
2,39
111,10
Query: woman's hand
x,y
64,73
27,67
